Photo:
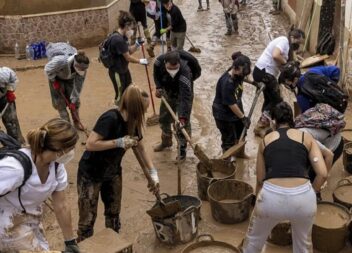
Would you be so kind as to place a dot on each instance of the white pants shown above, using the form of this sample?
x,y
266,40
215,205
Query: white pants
x,y
275,204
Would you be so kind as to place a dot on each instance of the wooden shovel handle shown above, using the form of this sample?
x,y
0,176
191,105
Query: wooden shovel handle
x,y
184,132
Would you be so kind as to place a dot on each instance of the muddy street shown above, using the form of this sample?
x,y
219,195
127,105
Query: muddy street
x,y
206,29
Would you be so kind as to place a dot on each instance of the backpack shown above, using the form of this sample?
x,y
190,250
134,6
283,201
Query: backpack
x,y
106,57
59,48
11,148
321,89
322,116
326,44
192,63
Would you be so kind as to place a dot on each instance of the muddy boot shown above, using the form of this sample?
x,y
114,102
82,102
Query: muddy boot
x,y
200,8
166,142
183,154
150,46
228,33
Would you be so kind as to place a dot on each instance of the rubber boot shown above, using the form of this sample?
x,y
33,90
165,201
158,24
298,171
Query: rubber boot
x,y
166,142
150,47
76,120
183,153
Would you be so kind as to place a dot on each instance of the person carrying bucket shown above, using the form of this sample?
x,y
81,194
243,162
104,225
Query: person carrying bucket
x,y
66,76
99,170
23,189
227,105
174,78
267,70
8,85
138,11
284,192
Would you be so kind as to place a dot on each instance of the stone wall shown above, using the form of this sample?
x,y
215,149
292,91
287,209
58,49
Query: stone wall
x,y
83,28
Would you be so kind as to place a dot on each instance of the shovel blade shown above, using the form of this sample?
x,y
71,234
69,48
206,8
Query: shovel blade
x,y
153,120
202,156
163,210
233,150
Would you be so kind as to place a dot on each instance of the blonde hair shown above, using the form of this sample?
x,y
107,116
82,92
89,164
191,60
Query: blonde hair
x,y
132,101
55,135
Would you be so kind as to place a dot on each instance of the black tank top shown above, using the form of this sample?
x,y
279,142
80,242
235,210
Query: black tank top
x,y
285,157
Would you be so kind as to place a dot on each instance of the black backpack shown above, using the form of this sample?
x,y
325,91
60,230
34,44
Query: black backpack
x,y
321,89
106,57
10,147
192,63
326,44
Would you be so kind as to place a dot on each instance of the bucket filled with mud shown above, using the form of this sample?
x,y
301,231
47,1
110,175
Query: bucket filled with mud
x,y
330,228
207,244
230,200
281,234
343,192
221,169
347,157
181,227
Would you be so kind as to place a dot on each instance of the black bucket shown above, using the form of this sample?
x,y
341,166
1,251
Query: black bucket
x,y
182,227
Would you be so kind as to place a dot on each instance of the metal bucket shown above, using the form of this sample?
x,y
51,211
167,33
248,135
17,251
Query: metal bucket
x,y
230,200
343,192
221,169
210,245
347,157
281,234
182,227
325,236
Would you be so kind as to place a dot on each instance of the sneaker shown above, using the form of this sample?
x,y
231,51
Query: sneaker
x,y
228,33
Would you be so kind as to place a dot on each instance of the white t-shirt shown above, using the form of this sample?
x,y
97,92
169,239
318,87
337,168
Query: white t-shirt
x,y
33,192
266,60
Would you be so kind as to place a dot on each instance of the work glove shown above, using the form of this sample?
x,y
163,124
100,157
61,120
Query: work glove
x,y
162,31
246,122
10,96
56,85
139,42
126,142
71,247
159,93
143,61
183,121
72,106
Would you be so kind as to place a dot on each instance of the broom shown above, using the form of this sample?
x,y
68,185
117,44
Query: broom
x,y
154,119
193,48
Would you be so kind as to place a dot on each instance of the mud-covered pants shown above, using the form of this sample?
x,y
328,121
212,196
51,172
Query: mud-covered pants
x,y
276,204
231,22
70,89
165,120
10,120
88,196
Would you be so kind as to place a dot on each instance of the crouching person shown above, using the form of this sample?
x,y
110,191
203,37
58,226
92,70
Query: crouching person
x,y
100,169
28,180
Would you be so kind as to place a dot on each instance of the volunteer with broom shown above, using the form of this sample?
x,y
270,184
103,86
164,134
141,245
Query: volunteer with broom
x,y
174,78
66,76
227,106
100,172
122,52
50,147
8,84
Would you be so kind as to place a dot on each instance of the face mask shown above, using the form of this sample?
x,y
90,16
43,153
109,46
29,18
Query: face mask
x,y
65,158
294,46
79,71
173,72
129,33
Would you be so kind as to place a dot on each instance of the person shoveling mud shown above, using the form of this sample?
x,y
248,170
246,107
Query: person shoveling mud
x,y
100,169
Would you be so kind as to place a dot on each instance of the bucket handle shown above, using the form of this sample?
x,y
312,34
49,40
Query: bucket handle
x,y
209,236
164,194
344,181
187,210
250,195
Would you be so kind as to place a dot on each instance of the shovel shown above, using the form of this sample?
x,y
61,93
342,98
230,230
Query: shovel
x,y
197,150
193,48
161,210
237,147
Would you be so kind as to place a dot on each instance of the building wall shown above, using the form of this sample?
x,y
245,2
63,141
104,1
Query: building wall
x,y
83,28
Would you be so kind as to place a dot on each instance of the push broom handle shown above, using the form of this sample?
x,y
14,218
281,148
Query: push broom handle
x,y
147,72
184,132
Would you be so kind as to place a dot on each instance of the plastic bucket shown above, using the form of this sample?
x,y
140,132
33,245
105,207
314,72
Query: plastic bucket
x,y
330,228
221,169
230,200
281,234
208,244
182,227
